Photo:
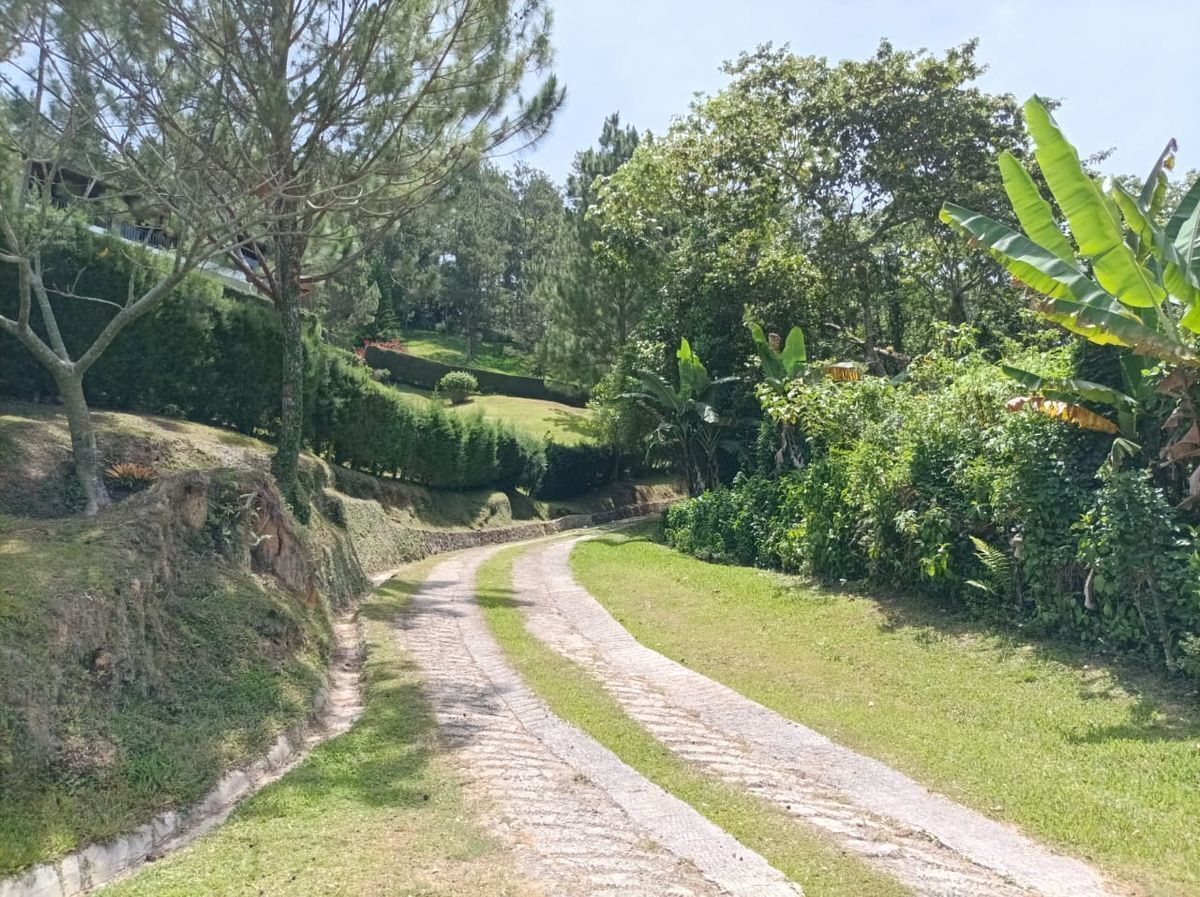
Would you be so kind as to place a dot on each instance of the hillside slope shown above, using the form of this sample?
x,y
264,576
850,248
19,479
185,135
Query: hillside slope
x,y
145,651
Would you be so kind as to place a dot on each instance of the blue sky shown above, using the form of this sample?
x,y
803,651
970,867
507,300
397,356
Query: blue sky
x,y
1128,73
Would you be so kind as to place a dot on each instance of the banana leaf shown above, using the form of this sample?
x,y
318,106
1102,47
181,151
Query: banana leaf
x,y
1033,211
1093,221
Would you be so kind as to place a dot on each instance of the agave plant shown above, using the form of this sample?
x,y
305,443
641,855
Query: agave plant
x,y
1126,280
691,425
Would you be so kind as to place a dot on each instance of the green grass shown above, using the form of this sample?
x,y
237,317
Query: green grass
x,y
452,349
1101,760
374,812
119,698
536,417
799,852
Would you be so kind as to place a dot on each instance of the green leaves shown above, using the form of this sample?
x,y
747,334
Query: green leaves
x,y
693,376
780,365
1032,209
1143,286
1093,223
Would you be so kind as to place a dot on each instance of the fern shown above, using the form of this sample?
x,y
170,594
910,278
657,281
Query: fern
x,y
999,567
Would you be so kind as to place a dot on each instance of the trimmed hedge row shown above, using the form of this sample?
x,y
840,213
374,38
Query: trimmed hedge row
x,y
216,359
426,374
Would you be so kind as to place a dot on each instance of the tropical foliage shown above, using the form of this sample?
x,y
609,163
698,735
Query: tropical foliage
x,y
1126,280
692,427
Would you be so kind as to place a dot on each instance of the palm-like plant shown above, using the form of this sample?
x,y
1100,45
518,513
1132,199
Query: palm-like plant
x,y
1127,280
691,425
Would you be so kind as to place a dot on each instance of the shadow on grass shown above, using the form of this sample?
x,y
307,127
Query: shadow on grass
x,y
493,598
1164,708
378,763
575,422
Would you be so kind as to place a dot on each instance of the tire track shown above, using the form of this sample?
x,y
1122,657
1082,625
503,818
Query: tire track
x,y
583,823
933,845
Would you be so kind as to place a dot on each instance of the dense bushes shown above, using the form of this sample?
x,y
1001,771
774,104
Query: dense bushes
x,y
215,359
933,487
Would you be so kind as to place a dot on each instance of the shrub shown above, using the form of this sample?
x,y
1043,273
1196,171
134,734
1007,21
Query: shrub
x,y
568,470
216,359
458,386
933,487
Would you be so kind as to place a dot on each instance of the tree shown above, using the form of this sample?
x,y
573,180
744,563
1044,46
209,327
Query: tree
x,y
84,139
809,191
599,302
475,252
692,427
352,114
538,251
1127,280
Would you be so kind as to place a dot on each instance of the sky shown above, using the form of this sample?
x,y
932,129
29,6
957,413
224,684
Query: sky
x,y
1127,73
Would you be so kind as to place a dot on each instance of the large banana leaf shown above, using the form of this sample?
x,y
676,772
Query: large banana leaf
x,y
773,367
1070,388
1183,229
1033,211
1092,219
1032,264
693,376
1178,280
1154,191
1118,328
795,352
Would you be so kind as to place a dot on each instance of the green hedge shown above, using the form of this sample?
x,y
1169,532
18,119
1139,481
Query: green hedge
x,y
426,374
901,481
216,359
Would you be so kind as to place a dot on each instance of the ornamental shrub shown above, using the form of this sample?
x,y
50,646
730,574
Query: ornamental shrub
x,y
215,359
458,386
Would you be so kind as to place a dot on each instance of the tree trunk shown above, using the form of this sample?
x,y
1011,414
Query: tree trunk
x,y
286,463
83,443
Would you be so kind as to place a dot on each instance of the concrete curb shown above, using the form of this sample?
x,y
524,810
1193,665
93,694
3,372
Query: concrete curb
x,y
335,709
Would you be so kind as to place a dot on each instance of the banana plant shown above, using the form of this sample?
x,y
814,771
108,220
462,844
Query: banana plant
x,y
691,425
786,364
781,365
1059,398
1110,272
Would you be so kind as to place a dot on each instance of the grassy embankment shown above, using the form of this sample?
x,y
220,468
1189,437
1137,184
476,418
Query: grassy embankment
x,y
374,813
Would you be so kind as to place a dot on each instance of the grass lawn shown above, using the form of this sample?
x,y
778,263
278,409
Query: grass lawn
x,y
539,418
374,813
1100,759
797,851
452,349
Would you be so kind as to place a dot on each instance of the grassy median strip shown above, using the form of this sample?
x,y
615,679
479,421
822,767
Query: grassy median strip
x,y
801,853
375,812
1099,758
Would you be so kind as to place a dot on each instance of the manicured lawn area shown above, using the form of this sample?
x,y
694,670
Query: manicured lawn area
x,y
797,851
562,423
452,349
1100,759
374,813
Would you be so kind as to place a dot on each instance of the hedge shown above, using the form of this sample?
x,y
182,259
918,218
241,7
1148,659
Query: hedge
x,y
933,488
215,359
426,374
